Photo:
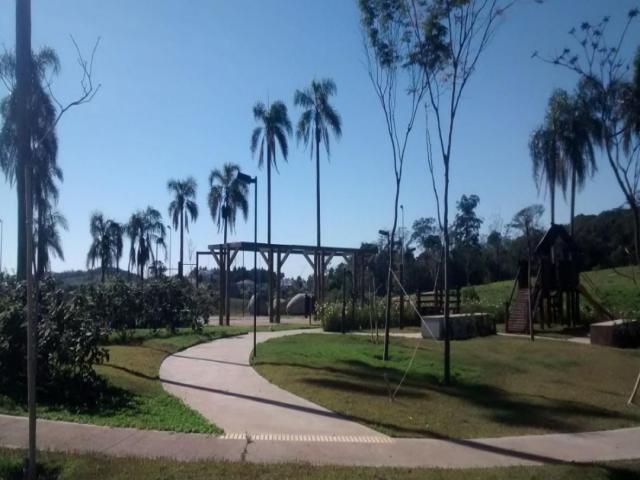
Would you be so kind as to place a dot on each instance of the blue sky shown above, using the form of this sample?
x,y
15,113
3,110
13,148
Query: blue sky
x,y
179,80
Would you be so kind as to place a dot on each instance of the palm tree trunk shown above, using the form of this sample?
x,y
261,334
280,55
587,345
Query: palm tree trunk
x,y
22,215
270,253
180,265
318,239
41,245
573,199
552,194
227,303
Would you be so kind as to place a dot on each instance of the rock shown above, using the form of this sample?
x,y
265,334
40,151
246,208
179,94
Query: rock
x,y
296,304
262,306
283,306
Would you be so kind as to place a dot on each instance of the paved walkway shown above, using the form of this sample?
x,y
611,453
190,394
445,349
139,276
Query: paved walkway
x,y
411,453
267,424
217,380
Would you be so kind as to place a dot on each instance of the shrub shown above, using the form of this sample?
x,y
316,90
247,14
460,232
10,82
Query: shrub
x,y
68,344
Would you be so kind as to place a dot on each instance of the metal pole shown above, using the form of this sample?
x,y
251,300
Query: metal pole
x,y
255,263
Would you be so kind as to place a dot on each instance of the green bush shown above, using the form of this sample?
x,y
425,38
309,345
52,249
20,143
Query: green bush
x,y
363,317
68,344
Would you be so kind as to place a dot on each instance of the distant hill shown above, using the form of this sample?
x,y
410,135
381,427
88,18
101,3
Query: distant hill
x,y
74,278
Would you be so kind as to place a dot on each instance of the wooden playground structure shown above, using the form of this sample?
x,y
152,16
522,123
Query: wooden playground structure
x,y
548,289
277,254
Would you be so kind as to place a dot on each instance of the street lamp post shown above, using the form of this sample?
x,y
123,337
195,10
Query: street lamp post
x,y
248,179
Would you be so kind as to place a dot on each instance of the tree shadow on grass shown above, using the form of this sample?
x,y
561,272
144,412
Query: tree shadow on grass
x,y
17,471
496,404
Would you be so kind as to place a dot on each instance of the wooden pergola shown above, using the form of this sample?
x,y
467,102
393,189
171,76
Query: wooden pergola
x,y
318,259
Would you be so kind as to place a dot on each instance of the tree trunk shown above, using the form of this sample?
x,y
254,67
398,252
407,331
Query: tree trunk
x,y
318,238
446,313
181,265
23,89
22,218
552,195
636,229
41,245
573,200
387,319
227,267
270,253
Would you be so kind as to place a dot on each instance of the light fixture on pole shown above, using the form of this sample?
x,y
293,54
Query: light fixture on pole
x,y
244,178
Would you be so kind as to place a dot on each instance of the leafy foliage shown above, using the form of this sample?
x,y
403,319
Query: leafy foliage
x,y
68,343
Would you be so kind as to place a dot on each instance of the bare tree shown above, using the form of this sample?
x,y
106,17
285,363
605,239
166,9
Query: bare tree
x,y
23,85
388,48
603,86
451,37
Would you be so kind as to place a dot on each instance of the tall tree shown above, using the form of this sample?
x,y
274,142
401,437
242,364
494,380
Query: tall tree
x,y
388,51
578,130
274,127
227,195
182,208
106,245
603,83
47,237
317,120
449,37
145,230
43,141
466,232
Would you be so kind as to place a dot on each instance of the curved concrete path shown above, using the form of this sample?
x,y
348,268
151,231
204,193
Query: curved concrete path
x,y
217,380
267,424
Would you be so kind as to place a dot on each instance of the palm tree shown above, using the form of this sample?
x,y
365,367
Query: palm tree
x,y
106,246
47,238
576,133
274,127
317,119
546,156
227,194
182,208
42,116
145,229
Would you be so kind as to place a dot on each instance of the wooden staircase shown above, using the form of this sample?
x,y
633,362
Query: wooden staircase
x,y
518,321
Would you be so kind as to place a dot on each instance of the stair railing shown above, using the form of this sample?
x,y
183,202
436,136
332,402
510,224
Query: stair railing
x,y
508,302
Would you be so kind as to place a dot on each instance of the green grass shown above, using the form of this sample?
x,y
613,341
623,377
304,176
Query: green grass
x,y
96,467
134,396
614,288
501,386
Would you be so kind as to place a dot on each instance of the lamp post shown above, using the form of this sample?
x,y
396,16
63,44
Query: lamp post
x,y
248,180
387,319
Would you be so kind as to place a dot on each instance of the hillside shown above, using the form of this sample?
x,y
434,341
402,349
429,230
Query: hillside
x,y
615,288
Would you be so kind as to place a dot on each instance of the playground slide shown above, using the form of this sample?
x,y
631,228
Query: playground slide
x,y
594,303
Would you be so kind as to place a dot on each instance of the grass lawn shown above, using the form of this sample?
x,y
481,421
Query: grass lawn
x,y
501,386
95,467
614,288
134,396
